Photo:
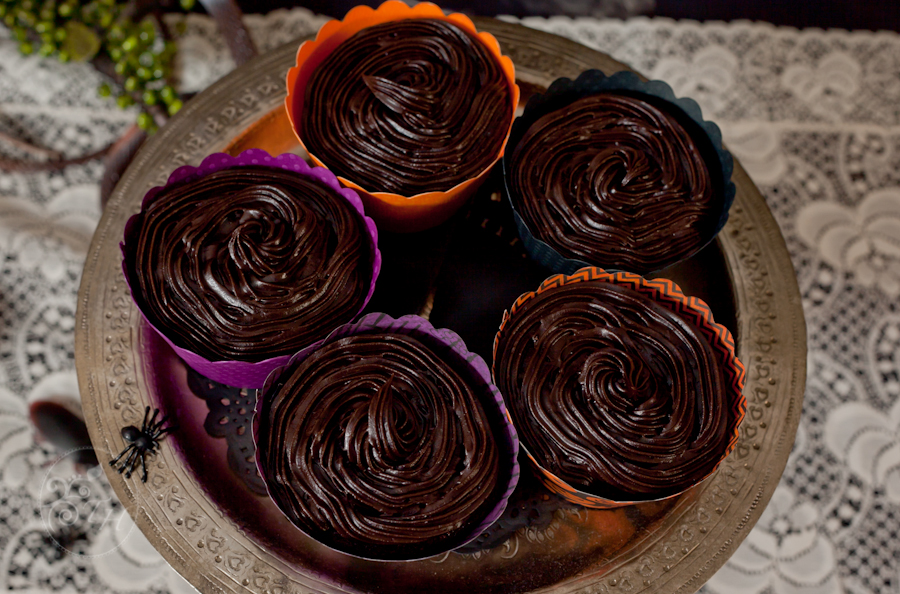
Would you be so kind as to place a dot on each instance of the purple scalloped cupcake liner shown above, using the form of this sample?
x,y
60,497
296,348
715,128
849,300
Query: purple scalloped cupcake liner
x,y
421,329
591,82
245,374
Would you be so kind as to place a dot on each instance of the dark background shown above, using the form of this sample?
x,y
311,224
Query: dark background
x,y
844,14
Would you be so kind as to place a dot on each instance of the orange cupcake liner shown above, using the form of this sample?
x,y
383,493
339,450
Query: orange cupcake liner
x,y
391,211
692,309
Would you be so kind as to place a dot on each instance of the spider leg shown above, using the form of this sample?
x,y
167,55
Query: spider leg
x,y
146,415
130,462
153,429
165,430
144,467
119,457
152,420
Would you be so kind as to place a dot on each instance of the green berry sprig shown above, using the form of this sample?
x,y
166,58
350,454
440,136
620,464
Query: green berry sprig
x,y
136,53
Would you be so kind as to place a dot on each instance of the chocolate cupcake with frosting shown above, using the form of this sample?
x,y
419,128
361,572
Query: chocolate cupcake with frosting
x,y
244,261
408,105
616,172
621,389
387,441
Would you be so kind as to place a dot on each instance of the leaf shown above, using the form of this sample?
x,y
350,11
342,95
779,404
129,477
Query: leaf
x,y
81,42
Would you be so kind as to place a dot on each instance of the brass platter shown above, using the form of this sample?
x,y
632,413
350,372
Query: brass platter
x,y
223,538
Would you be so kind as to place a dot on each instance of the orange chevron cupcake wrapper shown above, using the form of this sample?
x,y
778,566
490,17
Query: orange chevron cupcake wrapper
x,y
691,309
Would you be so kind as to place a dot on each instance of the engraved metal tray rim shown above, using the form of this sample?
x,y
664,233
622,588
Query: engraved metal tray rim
x,y
215,556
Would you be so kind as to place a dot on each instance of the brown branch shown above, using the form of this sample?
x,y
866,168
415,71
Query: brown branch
x,y
229,19
12,165
29,148
163,27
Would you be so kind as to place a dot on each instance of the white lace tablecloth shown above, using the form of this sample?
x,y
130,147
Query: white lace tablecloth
x,y
814,116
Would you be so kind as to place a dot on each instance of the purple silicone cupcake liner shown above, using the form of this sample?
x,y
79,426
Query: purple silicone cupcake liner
x,y
564,91
421,329
245,374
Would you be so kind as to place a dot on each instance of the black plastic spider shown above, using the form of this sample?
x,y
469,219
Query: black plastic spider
x,y
141,442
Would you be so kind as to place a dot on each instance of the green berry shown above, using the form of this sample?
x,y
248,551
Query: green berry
x,y
103,90
116,32
144,120
116,53
44,27
131,84
20,34
121,67
167,94
65,10
26,18
9,20
144,73
187,4
130,43
147,31
46,49
60,35
149,97
106,19
175,106
158,73
3,11
124,101
63,56
146,59
26,48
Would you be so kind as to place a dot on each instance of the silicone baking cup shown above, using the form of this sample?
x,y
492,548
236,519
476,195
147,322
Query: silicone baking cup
x,y
244,374
394,212
692,310
448,346
561,93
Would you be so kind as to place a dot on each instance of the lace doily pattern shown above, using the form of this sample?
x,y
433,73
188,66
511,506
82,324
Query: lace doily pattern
x,y
812,115
203,55
755,71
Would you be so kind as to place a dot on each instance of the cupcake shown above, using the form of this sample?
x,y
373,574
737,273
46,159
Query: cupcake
x,y
245,260
616,172
621,389
408,105
387,442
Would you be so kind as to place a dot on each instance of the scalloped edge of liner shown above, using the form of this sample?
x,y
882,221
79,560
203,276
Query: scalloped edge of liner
x,y
408,324
400,11
591,82
668,294
245,374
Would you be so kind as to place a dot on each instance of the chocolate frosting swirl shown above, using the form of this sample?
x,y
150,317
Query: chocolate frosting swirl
x,y
377,446
248,263
613,393
613,180
408,107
